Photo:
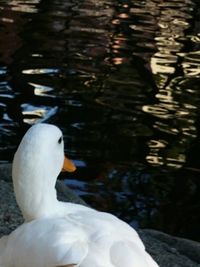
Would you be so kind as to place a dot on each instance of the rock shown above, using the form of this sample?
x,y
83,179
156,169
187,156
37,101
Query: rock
x,y
64,193
10,216
5,172
168,251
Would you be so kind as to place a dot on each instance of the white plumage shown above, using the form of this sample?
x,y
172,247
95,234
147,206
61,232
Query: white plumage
x,y
57,233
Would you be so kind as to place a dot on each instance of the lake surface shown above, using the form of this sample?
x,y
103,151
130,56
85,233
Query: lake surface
x,y
122,80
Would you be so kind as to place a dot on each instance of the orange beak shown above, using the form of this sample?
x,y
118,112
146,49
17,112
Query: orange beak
x,y
68,165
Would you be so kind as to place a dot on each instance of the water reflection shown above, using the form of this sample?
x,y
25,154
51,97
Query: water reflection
x,y
40,71
174,116
34,114
24,6
122,81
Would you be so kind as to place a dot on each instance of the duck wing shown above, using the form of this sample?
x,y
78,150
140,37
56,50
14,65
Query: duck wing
x,y
87,239
45,243
112,242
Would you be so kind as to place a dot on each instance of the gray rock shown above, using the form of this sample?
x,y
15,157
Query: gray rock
x,y
10,216
5,172
64,193
168,251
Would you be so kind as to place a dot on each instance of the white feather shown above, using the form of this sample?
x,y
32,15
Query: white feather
x,y
57,233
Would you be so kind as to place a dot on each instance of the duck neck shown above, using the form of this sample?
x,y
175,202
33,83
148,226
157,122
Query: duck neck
x,y
35,193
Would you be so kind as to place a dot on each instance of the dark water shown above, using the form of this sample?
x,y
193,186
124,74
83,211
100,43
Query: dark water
x,y
122,80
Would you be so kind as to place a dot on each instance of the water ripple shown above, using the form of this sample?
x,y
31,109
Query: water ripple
x,y
33,114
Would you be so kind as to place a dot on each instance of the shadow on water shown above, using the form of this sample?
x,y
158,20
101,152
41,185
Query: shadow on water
x,y
121,79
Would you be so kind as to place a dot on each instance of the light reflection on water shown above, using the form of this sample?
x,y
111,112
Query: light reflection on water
x,y
122,81
42,90
34,114
20,6
40,71
169,68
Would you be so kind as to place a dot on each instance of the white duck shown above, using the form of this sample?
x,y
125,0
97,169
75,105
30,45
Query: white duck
x,y
57,233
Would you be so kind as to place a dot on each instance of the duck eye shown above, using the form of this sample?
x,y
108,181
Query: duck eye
x,y
60,140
